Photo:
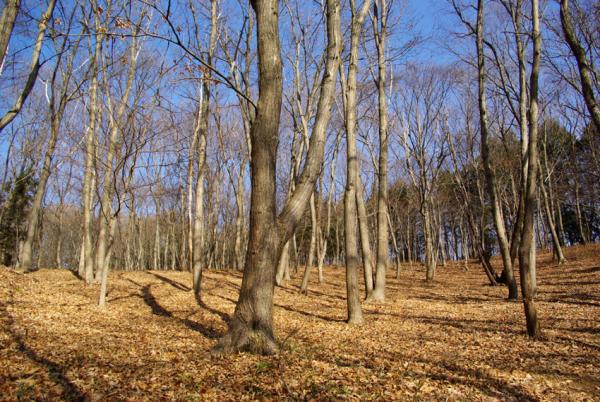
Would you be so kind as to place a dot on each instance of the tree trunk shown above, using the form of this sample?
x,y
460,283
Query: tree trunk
x,y
202,127
251,327
107,217
283,265
527,263
558,253
383,221
585,71
7,23
430,258
365,241
311,249
90,154
523,128
352,177
490,175
239,220
34,66
26,252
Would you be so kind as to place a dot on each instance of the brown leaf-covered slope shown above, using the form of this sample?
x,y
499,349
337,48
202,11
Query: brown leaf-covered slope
x,y
456,339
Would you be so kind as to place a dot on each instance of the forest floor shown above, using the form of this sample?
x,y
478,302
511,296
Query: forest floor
x,y
455,339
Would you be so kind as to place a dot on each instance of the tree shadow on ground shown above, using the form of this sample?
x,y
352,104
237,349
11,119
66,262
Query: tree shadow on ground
x,y
159,310
478,378
443,372
175,284
309,314
56,372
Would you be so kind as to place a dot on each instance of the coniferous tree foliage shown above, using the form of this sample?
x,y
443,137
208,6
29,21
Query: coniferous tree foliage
x,y
16,197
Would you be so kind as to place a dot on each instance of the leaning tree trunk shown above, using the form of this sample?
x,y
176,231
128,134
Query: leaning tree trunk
x,y
490,176
34,66
312,247
558,253
7,23
585,71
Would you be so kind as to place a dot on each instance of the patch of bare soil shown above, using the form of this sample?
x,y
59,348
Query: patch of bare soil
x,y
455,339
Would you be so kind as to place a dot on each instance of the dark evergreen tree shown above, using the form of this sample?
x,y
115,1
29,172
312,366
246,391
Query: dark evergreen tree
x,y
16,196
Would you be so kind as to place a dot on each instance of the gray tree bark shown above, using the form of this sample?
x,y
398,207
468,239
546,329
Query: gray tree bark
x,y
527,252
490,175
251,327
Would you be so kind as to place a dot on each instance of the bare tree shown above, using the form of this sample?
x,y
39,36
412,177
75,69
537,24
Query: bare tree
x,y
586,73
490,175
35,64
380,28
527,248
251,327
201,132
62,91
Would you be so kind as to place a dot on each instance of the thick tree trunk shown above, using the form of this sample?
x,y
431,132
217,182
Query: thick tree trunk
x,y
352,178
251,327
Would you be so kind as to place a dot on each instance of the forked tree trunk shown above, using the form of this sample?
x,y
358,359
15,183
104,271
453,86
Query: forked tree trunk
x,y
523,128
490,176
251,327
107,217
527,252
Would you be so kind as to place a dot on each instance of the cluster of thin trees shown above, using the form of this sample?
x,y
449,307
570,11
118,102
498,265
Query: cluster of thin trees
x,y
276,137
